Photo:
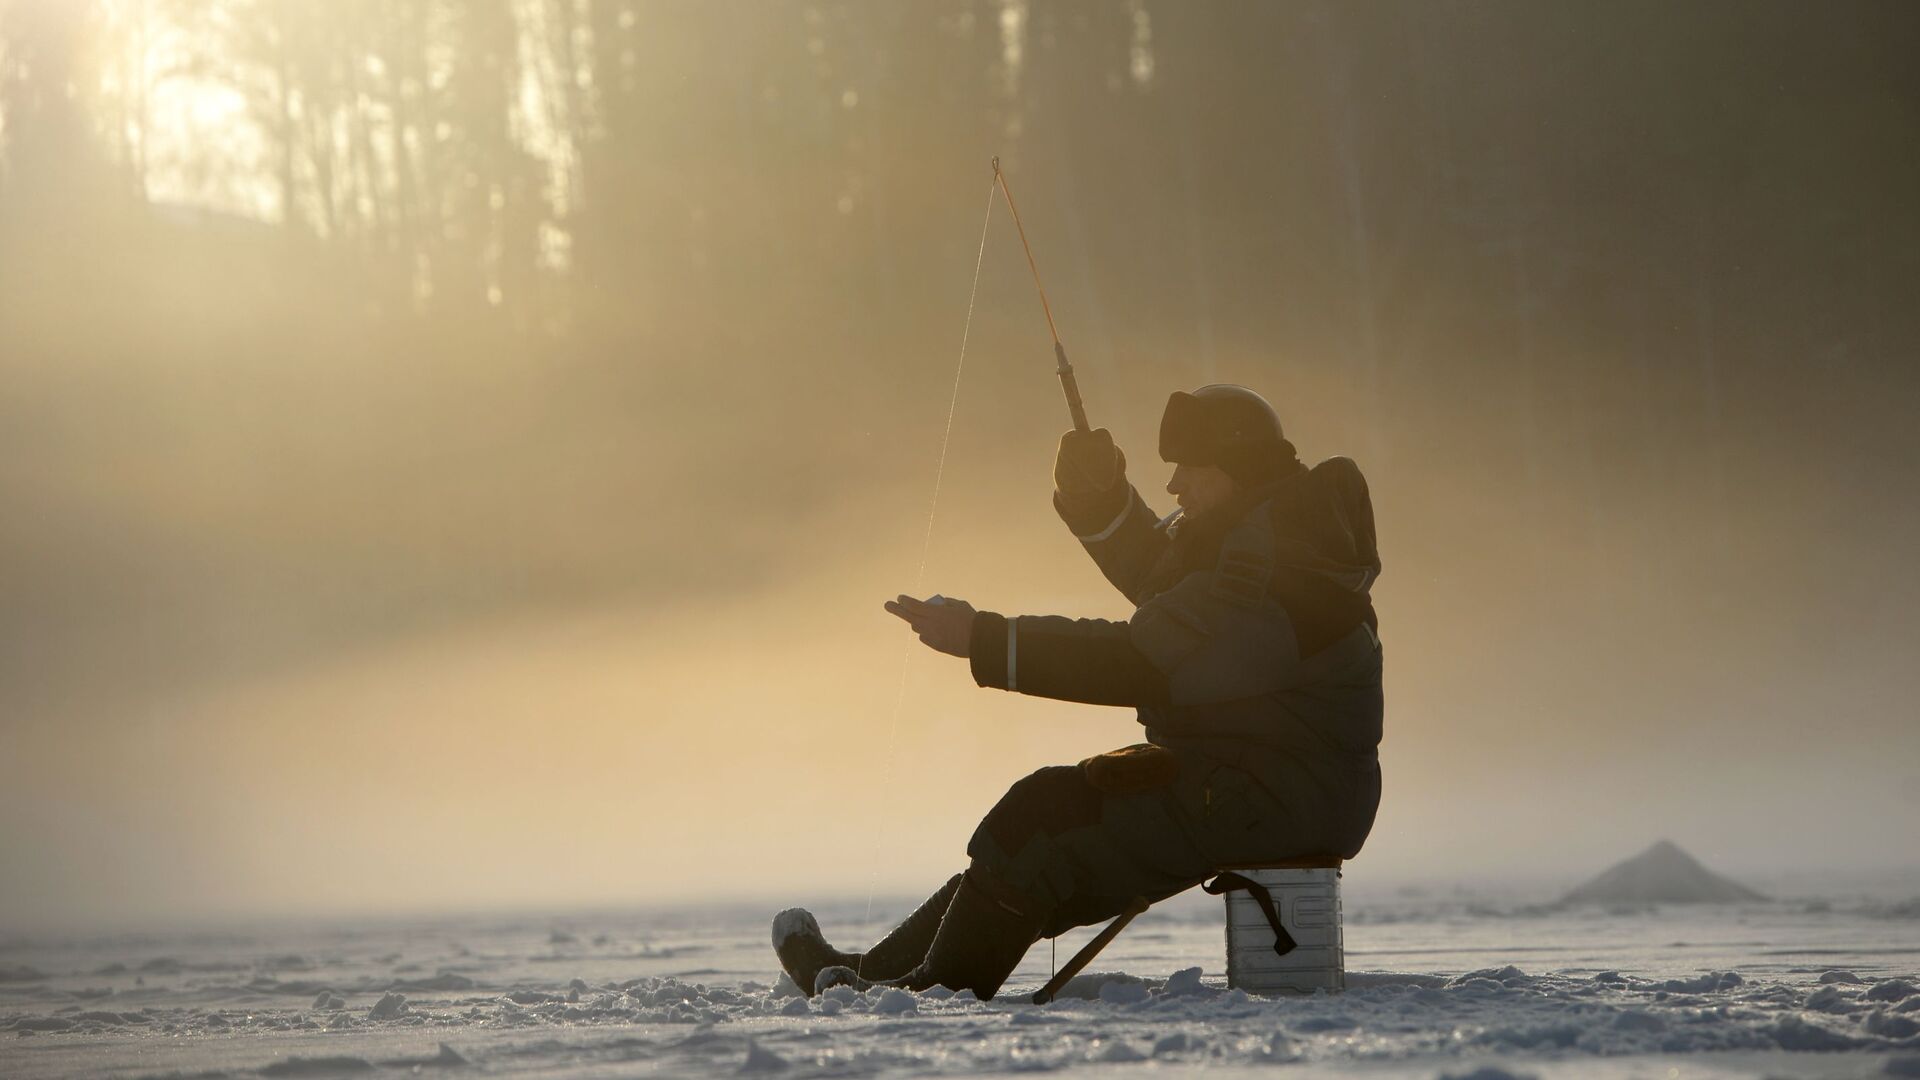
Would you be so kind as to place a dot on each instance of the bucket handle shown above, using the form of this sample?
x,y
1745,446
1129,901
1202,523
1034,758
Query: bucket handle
x,y
1222,884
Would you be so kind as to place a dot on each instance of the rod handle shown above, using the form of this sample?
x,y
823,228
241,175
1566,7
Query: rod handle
x,y
1071,387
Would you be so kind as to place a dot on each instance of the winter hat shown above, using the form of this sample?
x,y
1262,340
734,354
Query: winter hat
x,y
1229,427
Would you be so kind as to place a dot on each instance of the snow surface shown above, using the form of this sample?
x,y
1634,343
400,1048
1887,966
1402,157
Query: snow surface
x,y
1451,986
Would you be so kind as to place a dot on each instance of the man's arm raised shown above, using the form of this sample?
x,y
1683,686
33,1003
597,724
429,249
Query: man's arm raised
x,y
1104,512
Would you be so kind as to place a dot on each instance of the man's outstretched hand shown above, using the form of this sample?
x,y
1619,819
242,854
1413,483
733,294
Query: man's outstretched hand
x,y
946,625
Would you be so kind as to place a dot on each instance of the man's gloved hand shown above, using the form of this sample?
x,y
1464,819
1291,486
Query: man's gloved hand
x,y
1088,463
943,623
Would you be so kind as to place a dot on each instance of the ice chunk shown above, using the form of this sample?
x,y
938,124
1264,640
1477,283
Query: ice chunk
x,y
389,1006
894,1002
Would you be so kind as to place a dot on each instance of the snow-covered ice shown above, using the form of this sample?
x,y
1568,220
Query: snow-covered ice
x,y
1456,986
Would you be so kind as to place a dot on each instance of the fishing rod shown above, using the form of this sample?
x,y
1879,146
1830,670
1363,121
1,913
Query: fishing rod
x,y
1062,368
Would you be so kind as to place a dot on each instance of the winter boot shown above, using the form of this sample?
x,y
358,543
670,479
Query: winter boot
x,y
804,951
980,942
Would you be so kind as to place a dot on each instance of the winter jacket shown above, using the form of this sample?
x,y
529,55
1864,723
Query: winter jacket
x,y
1253,643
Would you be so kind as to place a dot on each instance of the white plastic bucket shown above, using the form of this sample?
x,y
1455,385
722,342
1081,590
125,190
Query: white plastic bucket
x,y
1308,902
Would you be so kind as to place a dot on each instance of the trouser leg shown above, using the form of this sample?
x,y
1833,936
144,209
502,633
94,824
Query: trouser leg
x,y
902,950
1076,855
979,942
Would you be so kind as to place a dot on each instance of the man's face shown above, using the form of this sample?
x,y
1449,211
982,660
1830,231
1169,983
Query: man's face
x,y
1199,488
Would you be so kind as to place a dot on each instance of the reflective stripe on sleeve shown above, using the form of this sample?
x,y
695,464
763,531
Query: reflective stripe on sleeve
x,y
1111,526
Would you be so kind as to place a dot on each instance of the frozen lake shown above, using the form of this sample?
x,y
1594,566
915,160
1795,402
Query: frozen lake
x,y
1438,985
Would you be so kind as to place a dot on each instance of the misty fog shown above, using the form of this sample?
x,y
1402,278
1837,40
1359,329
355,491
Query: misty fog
x,y
453,455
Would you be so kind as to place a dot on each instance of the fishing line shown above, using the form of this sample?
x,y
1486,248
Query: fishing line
x,y
926,545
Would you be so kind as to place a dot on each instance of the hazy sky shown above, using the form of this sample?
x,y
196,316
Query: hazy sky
x,y
475,481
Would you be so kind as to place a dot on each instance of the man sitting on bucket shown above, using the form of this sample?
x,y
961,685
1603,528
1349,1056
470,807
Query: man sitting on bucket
x,y
1253,660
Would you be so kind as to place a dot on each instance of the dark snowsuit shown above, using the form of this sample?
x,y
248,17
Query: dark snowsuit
x,y
1254,662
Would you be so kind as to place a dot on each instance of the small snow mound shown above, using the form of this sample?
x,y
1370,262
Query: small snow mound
x,y
1279,1049
1827,999
1793,1033
1890,1026
1499,975
1124,993
1711,982
1892,990
1638,1020
1839,976
1116,1050
389,1006
1092,986
316,1066
761,1060
894,1002
786,987
1177,1043
838,977
1314,1025
794,921
448,1056
796,1007
1184,981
